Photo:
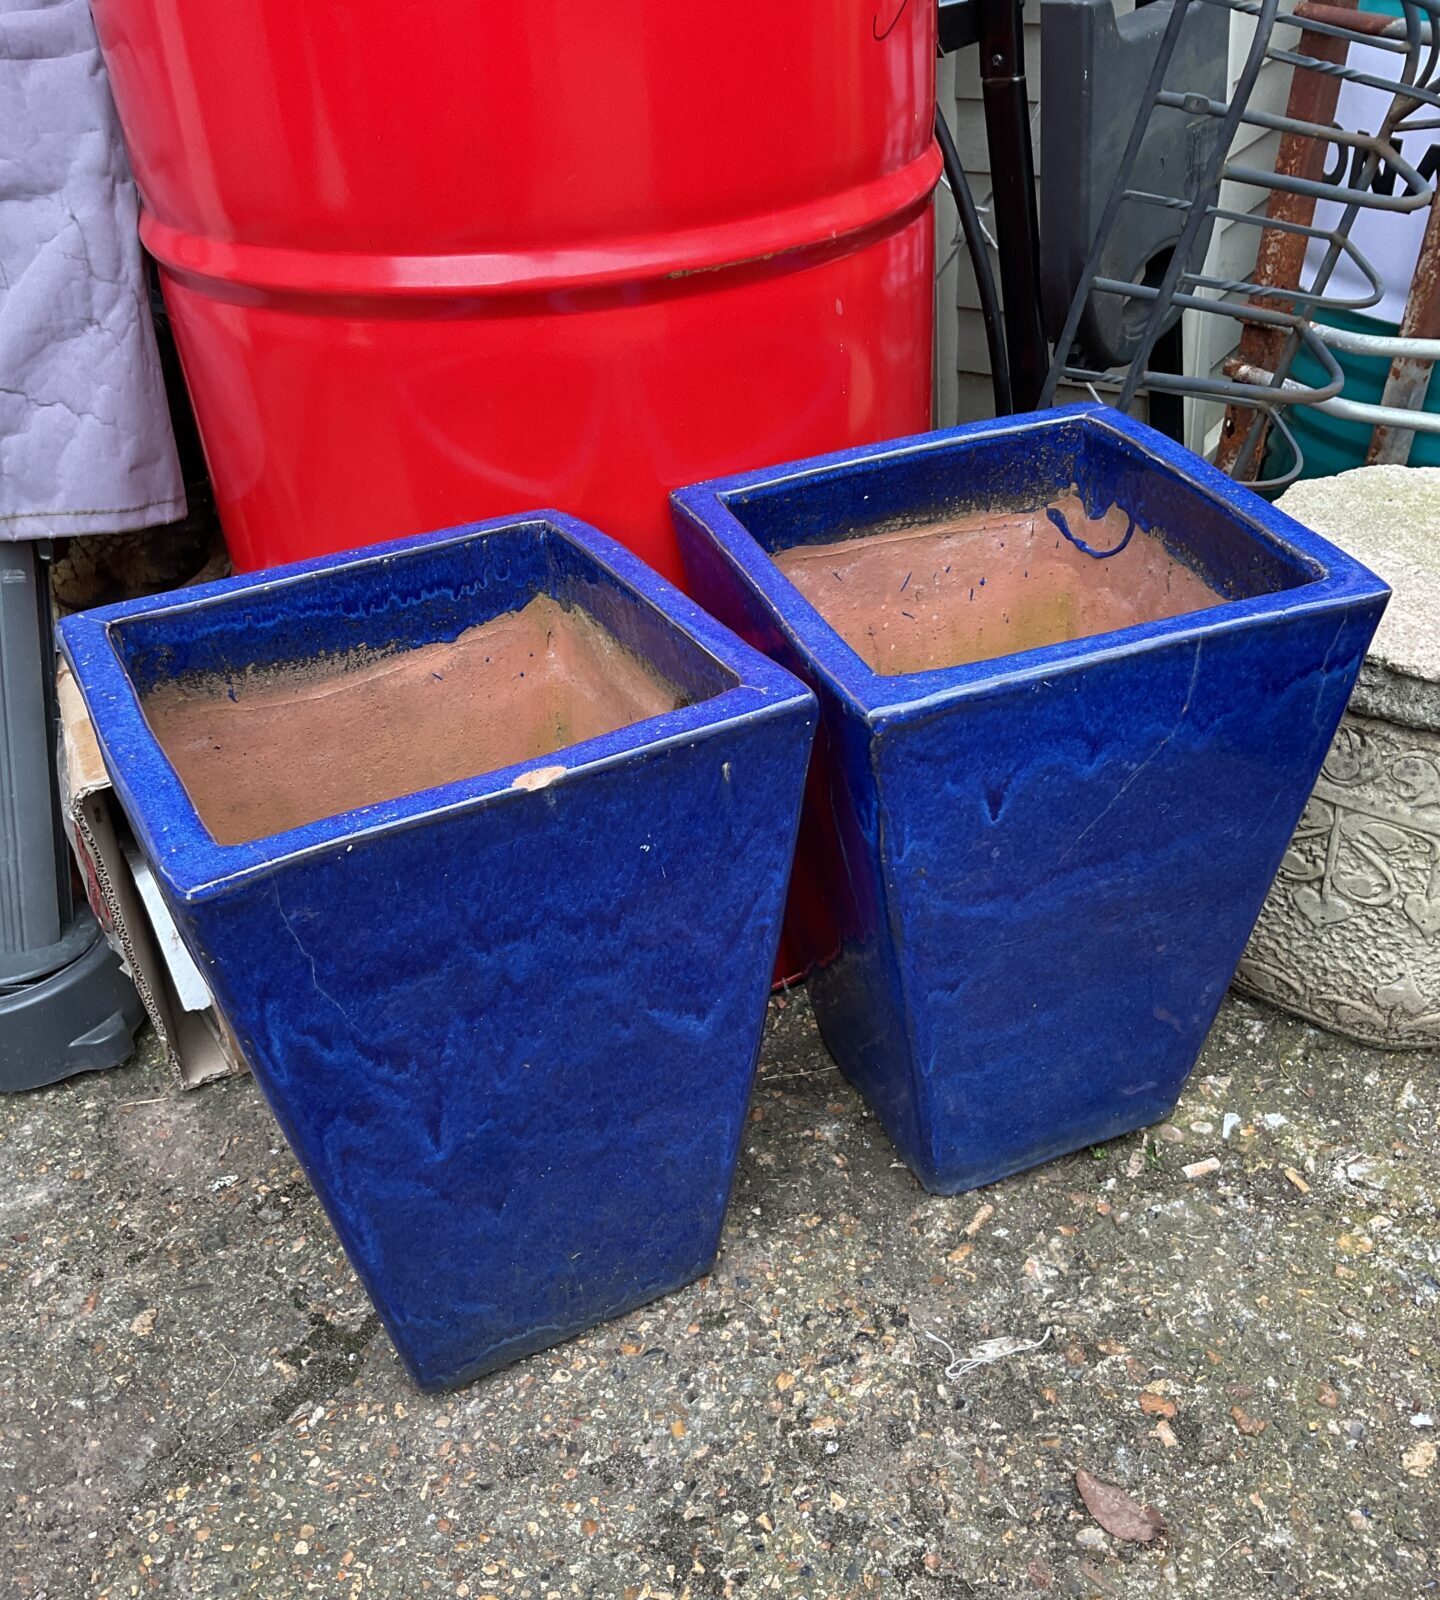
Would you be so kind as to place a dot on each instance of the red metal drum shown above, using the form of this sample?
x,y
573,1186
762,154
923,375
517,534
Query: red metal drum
x,y
446,260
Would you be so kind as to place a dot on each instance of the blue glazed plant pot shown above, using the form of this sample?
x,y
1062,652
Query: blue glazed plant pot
x,y
482,839
1060,757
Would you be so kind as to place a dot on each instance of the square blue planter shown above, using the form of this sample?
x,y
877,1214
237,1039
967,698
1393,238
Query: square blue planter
x,y
508,1024
1025,881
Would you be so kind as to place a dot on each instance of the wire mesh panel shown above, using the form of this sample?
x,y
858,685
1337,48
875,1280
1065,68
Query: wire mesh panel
x,y
1328,175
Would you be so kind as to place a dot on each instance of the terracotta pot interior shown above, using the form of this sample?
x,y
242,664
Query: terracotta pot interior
x,y
282,746
990,583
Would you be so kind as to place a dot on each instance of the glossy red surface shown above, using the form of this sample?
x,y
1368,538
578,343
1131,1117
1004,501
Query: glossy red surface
x,y
442,261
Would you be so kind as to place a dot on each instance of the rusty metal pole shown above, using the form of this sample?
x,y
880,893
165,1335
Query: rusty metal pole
x,y
1280,257
1409,379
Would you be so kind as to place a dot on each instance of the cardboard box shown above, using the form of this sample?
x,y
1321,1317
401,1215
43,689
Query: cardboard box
x,y
198,1045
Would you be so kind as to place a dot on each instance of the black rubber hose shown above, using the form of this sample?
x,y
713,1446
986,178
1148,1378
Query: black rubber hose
x,y
980,261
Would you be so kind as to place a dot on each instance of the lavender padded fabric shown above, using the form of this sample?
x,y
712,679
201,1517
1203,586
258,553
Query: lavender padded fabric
x,y
85,440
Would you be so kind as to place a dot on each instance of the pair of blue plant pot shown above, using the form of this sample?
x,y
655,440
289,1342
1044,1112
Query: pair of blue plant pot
x,y
509,1024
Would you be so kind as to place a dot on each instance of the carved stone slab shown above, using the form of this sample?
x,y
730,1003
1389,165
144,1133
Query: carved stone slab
x,y
1350,935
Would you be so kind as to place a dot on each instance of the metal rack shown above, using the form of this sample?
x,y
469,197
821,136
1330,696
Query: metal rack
x,y
1275,307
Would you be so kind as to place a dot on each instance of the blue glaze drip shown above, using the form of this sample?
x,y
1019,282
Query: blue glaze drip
x,y
1058,518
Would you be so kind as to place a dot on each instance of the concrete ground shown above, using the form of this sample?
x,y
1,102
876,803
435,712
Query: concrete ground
x,y
195,1399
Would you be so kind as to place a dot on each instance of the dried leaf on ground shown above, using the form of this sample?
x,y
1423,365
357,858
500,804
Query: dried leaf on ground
x,y
1248,1425
1118,1512
1156,1405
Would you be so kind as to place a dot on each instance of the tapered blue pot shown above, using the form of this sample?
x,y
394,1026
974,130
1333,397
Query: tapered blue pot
x,y
508,1023
1025,880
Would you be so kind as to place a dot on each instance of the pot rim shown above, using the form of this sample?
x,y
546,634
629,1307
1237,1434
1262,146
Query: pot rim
x,y
194,866
1339,582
